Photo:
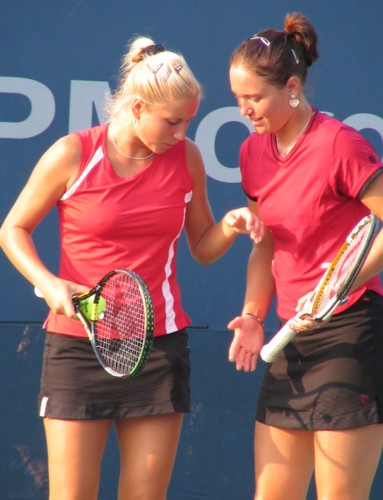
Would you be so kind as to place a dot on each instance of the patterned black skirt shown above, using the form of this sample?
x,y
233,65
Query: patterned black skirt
x,y
331,378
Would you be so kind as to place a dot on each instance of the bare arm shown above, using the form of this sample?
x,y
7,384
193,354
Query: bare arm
x,y
207,239
248,333
373,199
50,178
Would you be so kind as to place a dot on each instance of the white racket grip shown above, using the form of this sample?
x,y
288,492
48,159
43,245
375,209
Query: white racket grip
x,y
38,293
271,350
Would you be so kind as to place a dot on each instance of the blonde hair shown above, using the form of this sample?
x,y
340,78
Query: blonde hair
x,y
153,74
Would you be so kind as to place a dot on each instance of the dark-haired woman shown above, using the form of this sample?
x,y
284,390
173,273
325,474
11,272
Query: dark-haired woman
x,y
310,179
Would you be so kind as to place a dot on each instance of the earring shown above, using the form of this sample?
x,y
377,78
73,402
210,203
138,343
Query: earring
x,y
294,101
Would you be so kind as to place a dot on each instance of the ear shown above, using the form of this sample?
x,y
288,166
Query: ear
x,y
137,107
293,85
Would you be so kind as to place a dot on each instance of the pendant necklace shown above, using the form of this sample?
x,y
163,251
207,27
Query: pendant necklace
x,y
292,143
125,154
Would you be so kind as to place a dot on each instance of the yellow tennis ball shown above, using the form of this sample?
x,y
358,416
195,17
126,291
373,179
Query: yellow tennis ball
x,y
92,311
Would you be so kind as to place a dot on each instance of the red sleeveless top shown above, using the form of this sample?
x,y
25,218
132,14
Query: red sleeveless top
x,y
108,222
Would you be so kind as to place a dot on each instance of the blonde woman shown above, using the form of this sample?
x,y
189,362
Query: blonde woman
x,y
124,191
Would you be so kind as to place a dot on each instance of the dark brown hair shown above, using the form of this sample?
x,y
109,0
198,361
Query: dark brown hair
x,y
278,55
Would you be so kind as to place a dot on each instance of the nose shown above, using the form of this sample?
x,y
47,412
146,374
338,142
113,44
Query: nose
x,y
244,107
180,131
179,136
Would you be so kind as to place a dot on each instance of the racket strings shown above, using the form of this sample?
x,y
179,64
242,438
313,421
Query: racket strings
x,y
121,333
342,270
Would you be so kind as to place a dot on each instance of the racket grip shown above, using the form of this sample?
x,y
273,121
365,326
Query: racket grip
x,y
271,350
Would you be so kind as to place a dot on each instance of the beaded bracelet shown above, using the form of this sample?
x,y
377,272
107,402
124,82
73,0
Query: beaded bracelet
x,y
259,320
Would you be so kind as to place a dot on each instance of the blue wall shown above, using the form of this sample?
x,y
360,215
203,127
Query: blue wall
x,y
57,60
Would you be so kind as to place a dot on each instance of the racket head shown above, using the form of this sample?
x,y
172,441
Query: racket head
x,y
343,270
119,321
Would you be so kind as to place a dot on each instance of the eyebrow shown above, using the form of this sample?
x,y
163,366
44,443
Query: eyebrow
x,y
248,96
178,118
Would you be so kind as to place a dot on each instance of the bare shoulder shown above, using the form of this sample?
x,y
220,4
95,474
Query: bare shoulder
x,y
192,148
194,159
54,172
61,160
48,181
66,149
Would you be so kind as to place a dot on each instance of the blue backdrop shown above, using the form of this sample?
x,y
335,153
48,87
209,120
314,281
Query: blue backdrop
x,y
58,59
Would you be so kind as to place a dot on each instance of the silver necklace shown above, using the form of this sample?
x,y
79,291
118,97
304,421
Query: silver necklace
x,y
126,155
287,149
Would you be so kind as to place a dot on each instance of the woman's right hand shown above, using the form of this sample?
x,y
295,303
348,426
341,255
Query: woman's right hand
x,y
247,342
58,295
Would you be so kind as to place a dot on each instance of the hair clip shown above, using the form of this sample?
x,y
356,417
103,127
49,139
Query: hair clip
x,y
165,74
151,50
161,70
166,70
156,68
295,56
264,40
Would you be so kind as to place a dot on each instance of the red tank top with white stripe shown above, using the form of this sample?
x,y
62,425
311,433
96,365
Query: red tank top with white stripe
x,y
108,222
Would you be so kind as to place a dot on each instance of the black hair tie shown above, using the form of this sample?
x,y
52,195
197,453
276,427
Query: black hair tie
x,y
151,50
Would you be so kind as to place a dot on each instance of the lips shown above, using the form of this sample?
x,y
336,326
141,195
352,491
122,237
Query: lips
x,y
257,122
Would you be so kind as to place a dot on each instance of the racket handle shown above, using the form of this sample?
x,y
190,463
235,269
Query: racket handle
x,y
271,350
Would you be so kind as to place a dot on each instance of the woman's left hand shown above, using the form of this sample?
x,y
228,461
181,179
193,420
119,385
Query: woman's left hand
x,y
242,220
304,321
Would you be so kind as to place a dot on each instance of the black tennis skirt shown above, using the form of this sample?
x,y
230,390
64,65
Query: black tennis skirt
x,y
74,385
331,378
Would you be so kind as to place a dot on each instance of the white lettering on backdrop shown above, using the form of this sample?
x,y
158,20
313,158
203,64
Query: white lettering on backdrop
x,y
87,97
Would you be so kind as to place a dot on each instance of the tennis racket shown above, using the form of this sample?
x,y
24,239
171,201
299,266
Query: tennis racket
x,y
333,287
118,317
